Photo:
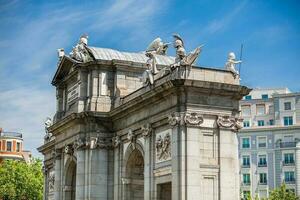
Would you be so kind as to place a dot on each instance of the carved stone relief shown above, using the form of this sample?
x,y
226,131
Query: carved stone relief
x,y
163,146
146,130
230,122
51,180
185,118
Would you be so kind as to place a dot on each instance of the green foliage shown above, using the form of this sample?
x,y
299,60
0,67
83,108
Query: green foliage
x,y
21,181
282,194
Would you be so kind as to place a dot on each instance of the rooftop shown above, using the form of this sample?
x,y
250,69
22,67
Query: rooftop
x,y
10,134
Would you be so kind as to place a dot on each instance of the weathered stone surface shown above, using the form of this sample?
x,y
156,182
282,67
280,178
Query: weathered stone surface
x,y
129,141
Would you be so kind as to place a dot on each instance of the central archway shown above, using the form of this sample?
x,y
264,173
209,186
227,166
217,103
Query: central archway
x,y
135,175
70,181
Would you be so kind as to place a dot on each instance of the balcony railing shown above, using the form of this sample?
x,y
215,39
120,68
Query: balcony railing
x,y
11,134
286,144
290,181
290,163
262,165
245,166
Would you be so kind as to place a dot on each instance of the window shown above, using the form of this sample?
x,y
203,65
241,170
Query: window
x,y
260,109
271,122
18,146
260,122
263,178
246,124
246,179
262,160
287,106
288,120
289,177
248,97
288,158
262,142
245,143
246,161
246,110
264,96
8,146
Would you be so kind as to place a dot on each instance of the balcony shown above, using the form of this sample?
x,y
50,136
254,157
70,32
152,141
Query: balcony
x,y
290,163
11,134
262,165
246,183
286,144
292,181
245,165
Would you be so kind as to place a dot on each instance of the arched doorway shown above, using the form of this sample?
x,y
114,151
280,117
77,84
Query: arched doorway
x,y
135,176
70,181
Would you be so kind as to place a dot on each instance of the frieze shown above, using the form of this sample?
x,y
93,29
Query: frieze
x,y
229,122
163,146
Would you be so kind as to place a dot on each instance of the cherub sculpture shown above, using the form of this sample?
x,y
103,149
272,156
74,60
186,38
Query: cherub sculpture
x,y
231,62
80,51
181,57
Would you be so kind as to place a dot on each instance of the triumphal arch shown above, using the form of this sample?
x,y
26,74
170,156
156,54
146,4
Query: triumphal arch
x,y
132,126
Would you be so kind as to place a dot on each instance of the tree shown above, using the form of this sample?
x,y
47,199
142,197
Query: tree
x,y
21,181
282,193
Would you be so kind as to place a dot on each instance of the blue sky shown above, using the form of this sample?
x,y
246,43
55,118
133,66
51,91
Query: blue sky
x,y
31,31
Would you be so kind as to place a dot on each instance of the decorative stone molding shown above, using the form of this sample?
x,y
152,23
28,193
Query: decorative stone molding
x,y
174,119
146,130
92,143
116,141
163,146
51,181
131,137
229,122
193,119
185,118
69,149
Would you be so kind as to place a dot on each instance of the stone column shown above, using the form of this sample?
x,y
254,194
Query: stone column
x,y
146,132
297,158
92,170
178,157
229,164
58,169
95,90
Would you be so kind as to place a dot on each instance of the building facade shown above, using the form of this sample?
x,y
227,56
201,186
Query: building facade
x,y
123,132
11,146
269,142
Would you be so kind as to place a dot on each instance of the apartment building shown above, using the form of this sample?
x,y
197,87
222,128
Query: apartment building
x,y
269,143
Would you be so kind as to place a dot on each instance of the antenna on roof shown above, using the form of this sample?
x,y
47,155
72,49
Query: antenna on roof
x,y
240,64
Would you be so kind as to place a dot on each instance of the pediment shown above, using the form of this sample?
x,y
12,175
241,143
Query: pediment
x,y
63,69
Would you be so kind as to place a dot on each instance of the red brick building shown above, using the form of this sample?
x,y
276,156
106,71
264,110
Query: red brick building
x,y
11,146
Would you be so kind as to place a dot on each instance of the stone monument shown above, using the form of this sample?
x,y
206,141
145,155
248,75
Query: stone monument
x,y
117,137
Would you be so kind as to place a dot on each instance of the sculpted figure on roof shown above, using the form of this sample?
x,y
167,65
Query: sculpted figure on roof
x,y
181,57
231,62
158,47
80,51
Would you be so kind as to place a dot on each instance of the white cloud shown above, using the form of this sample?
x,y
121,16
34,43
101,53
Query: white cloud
x,y
24,110
23,105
